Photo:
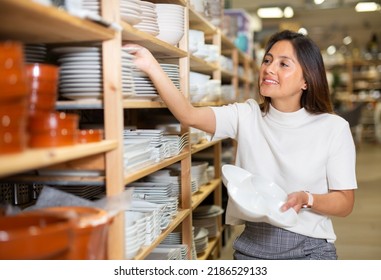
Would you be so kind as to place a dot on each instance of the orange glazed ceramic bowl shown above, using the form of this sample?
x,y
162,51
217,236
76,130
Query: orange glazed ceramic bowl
x,y
90,231
89,135
35,236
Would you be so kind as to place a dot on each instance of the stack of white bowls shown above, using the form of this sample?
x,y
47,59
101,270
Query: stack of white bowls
x,y
170,18
198,84
148,18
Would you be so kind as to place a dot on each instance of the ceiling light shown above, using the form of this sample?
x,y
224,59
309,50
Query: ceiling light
x,y
347,40
303,31
318,2
331,50
271,12
288,12
367,7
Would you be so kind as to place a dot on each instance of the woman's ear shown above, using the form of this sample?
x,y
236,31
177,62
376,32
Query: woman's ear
x,y
304,87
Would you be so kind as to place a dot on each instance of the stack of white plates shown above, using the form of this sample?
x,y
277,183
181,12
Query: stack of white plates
x,y
206,216
91,5
167,253
152,189
155,217
200,239
157,193
80,72
167,176
138,155
173,238
132,245
136,83
198,172
127,69
148,19
35,53
170,18
154,135
172,71
175,144
130,11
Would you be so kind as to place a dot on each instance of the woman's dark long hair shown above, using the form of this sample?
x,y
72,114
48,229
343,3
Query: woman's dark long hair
x,y
315,99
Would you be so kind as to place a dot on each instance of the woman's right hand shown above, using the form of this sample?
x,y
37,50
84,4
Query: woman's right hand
x,y
143,58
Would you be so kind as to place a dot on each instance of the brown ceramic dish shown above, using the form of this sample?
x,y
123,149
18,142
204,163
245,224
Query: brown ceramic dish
x,y
90,231
39,236
42,122
90,135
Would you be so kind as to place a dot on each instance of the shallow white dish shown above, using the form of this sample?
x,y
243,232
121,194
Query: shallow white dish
x,y
258,199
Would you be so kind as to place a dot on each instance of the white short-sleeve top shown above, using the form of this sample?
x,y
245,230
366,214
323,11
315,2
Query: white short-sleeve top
x,y
298,151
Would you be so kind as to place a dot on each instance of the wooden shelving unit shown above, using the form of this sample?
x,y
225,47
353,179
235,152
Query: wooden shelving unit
x,y
31,22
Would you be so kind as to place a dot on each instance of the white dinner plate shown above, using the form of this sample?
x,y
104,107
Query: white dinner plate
x,y
258,199
73,96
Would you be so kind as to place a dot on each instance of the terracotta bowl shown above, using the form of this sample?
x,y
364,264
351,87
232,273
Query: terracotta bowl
x,y
13,85
42,102
11,54
39,236
52,138
43,122
90,231
42,71
13,140
13,114
13,79
43,87
89,135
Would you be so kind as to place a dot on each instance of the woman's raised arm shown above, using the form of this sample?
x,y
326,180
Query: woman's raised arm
x,y
199,117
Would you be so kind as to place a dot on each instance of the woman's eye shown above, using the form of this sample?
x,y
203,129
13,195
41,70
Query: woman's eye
x,y
284,64
266,60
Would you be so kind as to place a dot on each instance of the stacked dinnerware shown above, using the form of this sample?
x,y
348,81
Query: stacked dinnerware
x,y
200,237
130,11
13,98
127,73
52,129
35,53
206,216
80,72
170,18
43,82
92,6
148,18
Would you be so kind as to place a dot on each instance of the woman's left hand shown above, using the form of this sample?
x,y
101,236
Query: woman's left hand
x,y
295,200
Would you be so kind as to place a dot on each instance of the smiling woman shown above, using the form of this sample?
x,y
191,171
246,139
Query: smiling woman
x,y
291,139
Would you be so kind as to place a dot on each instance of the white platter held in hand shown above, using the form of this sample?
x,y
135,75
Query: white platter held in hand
x,y
258,199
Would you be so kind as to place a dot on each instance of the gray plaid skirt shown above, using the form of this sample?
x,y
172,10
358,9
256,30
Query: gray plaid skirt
x,y
262,241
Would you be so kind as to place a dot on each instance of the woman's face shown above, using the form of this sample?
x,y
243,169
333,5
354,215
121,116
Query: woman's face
x,y
281,77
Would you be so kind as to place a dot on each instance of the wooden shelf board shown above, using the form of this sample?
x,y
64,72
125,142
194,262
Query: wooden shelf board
x,y
159,48
135,104
203,145
129,178
146,250
226,43
199,65
47,24
79,104
37,158
57,180
197,21
203,192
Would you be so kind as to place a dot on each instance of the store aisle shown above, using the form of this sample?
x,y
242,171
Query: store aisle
x,y
358,235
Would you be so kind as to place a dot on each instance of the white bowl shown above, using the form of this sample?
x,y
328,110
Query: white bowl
x,y
198,79
258,199
170,36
